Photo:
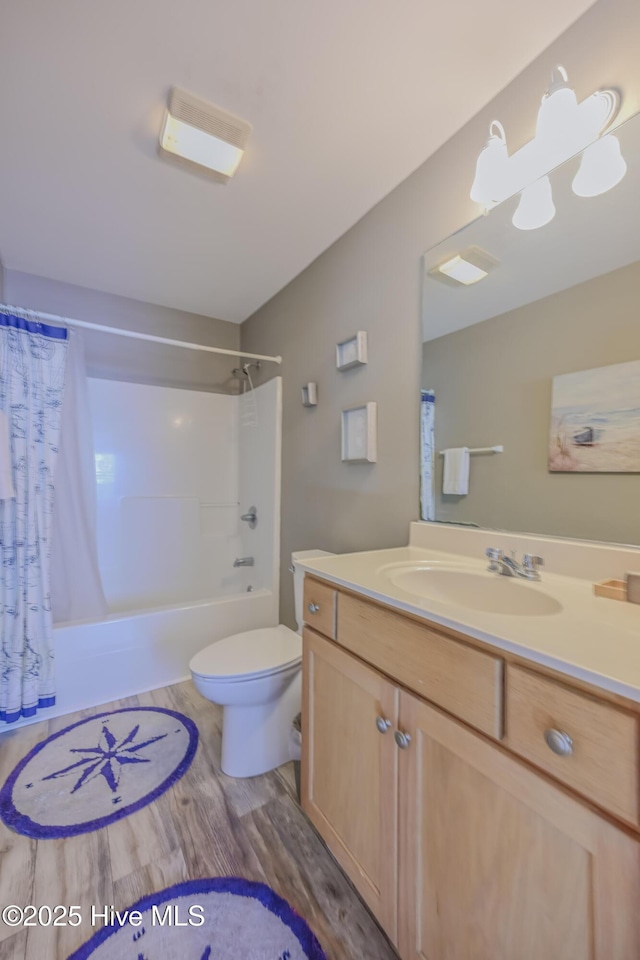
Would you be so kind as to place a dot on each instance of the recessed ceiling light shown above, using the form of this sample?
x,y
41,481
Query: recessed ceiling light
x,y
461,270
464,268
205,135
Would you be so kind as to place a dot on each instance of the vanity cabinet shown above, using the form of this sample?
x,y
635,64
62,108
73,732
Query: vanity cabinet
x,y
350,770
460,849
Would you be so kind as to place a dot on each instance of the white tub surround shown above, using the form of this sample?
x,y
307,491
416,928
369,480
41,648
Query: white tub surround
x,y
591,639
175,471
167,468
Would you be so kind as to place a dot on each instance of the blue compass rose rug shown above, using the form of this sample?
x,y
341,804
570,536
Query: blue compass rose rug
x,y
214,919
97,771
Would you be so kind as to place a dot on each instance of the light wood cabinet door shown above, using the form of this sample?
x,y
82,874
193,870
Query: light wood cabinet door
x,y
498,864
349,770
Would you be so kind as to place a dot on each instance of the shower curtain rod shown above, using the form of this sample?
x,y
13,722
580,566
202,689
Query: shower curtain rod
x,y
134,335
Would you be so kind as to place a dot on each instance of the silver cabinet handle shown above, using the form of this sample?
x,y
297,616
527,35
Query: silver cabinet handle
x,y
314,607
559,741
402,739
382,724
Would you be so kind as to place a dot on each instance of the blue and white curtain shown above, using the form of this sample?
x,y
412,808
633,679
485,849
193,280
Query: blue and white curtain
x,y
427,455
32,376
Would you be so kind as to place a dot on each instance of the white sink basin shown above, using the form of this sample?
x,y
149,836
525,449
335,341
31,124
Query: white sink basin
x,y
474,589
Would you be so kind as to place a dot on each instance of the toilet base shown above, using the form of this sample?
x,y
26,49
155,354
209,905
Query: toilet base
x,y
255,739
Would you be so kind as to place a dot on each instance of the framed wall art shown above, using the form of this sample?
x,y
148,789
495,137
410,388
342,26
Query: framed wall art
x,y
595,420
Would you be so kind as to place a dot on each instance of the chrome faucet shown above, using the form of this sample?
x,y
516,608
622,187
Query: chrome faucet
x,y
243,562
251,517
509,566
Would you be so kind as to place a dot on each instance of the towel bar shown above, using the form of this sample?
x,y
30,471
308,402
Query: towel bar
x,y
497,449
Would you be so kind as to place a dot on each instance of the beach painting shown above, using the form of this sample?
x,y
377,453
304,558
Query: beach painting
x,y
595,420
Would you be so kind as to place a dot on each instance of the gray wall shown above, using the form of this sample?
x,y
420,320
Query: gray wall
x,y
1,281
120,358
493,385
370,280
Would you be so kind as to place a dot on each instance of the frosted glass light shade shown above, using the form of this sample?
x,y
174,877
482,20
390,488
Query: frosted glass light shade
x,y
558,119
601,168
536,206
488,185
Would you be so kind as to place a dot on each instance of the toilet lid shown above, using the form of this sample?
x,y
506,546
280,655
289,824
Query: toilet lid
x,y
257,652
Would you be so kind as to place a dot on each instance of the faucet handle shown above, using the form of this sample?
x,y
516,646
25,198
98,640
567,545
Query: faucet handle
x,y
494,553
531,562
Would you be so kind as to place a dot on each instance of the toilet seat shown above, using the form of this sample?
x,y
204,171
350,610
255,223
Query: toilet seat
x,y
243,656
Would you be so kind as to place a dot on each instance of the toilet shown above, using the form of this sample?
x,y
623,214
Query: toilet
x,y
256,677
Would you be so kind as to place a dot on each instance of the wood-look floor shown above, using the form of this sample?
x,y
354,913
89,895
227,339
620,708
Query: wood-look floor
x,y
206,825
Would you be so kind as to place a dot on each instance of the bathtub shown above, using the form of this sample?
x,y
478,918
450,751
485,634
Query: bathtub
x,y
136,651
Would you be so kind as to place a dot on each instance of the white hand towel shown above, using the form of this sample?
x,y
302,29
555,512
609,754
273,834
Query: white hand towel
x,y
6,473
455,478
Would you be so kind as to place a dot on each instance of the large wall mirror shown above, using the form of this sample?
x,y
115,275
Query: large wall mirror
x,y
541,357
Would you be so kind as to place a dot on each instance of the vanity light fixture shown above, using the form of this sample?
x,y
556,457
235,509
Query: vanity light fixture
x,y
564,128
467,267
202,134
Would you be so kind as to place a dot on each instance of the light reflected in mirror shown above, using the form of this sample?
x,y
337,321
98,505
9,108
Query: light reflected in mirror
x,y
515,359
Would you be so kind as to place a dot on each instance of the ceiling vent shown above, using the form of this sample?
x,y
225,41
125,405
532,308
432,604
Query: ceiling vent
x,y
464,268
203,135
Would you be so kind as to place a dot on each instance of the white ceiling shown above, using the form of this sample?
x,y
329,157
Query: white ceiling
x,y
346,99
586,238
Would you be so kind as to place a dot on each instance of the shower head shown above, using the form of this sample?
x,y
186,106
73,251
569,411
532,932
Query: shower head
x,y
248,410
242,373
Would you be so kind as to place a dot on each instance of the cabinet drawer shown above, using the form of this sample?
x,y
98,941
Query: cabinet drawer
x,y
320,607
601,758
462,680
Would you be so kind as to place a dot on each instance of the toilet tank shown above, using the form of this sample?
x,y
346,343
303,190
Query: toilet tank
x,y
298,578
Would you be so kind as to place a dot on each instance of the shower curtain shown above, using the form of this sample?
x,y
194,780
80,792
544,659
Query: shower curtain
x,y
32,377
427,455
76,584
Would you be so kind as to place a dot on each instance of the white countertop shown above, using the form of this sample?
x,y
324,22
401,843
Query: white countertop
x,y
590,638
